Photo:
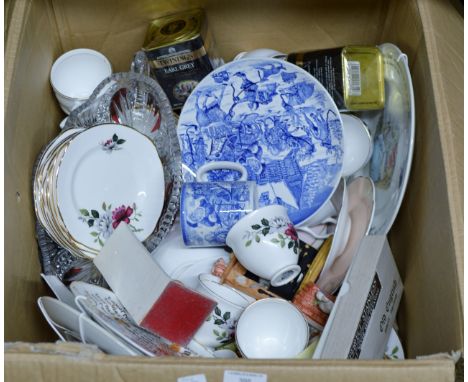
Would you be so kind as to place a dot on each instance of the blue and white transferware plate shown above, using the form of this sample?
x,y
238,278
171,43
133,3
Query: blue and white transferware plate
x,y
275,119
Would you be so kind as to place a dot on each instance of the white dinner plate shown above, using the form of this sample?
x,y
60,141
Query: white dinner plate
x,y
110,174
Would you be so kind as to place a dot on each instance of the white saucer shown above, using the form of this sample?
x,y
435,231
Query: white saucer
x,y
361,204
188,273
110,174
185,263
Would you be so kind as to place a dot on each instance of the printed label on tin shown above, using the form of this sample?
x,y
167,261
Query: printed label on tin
x,y
354,78
326,67
179,68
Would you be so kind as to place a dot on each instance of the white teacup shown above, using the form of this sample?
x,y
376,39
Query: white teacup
x,y
265,242
261,53
271,328
357,144
219,328
75,75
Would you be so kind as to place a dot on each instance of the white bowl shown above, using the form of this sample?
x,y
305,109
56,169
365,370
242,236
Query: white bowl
x,y
357,144
271,328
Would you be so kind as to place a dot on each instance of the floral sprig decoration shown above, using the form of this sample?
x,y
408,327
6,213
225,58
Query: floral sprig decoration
x,y
112,144
104,222
289,238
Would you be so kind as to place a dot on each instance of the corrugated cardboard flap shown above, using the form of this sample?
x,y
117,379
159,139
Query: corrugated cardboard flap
x,y
41,367
443,28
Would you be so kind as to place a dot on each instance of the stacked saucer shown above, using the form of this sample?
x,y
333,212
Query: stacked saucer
x,y
88,181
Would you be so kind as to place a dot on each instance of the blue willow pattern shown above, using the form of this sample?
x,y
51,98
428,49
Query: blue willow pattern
x,y
274,119
209,210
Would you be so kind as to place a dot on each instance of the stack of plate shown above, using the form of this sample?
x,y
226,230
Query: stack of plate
x,y
89,181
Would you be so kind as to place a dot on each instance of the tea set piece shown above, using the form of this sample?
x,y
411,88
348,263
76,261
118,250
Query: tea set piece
x,y
206,352
394,348
276,120
220,326
393,132
138,88
208,210
271,328
261,117
60,249
265,242
261,53
75,74
45,200
61,317
61,292
78,326
361,205
200,349
322,224
342,231
103,306
186,263
188,274
110,174
357,144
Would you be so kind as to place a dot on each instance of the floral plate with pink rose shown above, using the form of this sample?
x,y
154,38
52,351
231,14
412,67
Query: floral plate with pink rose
x,y
110,174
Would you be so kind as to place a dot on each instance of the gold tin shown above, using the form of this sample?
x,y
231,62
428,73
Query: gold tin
x,y
363,76
353,75
176,46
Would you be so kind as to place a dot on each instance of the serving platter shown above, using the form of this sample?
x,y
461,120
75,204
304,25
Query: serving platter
x,y
393,132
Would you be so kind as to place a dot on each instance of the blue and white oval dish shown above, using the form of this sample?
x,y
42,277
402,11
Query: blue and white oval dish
x,y
275,119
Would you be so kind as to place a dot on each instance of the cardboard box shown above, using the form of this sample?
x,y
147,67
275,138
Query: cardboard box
x,y
427,238
360,323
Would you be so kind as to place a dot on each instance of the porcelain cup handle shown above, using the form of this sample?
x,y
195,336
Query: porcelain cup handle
x,y
315,235
221,165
